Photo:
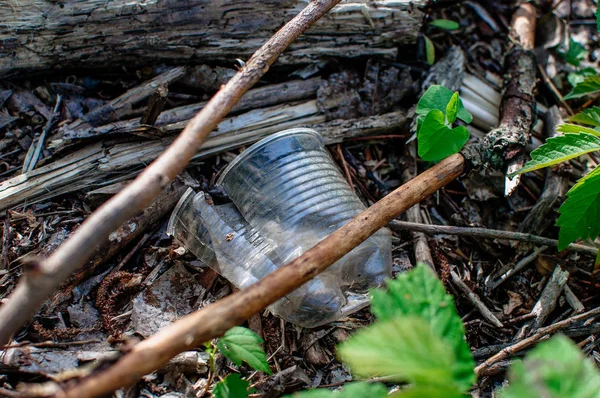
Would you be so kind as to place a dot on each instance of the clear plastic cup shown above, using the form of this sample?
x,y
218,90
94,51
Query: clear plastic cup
x,y
290,190
288,195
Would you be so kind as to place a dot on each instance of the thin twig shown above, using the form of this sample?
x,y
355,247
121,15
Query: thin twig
x,y
215,319
48,273
487,233
541,334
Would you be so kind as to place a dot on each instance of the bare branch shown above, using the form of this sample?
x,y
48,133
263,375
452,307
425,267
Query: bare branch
x,y
37,285
488,233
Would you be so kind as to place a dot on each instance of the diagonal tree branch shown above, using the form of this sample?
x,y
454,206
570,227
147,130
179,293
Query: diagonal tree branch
x,y
44,276
215,319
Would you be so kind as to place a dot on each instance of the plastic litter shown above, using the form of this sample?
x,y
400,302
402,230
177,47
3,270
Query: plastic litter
x,y
288,195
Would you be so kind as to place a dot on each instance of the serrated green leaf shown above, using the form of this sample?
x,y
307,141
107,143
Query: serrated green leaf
x,y
350,390
429,50
232,387
437,141
452,108
404,349
560,149
437,97
445,24
574,128
590,116
580,213
590,85
420,293
578,76
554,369
241,344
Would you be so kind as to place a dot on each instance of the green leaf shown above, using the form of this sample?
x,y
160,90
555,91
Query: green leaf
x,y
404,349
429,50
445,24
578,76
560,149
350,390
576,53
590,85
232,387
580,213
241,344
420,293
437,97
590,116
574,128
554,369
452,108
437,141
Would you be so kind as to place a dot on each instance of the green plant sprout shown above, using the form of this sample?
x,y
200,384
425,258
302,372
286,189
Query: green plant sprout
x,y
239,345
436,111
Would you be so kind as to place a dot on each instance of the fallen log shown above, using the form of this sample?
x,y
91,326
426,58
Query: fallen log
x,y
41,35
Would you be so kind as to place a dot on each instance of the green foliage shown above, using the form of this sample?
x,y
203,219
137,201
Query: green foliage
x,y
417,356
578,76
598,19
575,54
438,97
232,387
436,140
241,344
590,85
590,116
574,128
419,293
561,148
580,213
437,109
350,390
452,108
429,50
445,24
554,369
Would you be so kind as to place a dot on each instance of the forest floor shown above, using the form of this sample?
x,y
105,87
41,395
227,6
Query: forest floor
x,y
142,279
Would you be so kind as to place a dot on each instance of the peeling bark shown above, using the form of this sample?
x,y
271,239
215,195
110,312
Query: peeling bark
x,y
42,35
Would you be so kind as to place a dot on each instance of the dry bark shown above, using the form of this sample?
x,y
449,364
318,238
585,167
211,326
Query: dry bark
x,y
42,35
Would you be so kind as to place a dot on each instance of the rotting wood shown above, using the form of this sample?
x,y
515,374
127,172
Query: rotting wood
x,y
256,98
215,319
108,162
40,35
503,147
47,274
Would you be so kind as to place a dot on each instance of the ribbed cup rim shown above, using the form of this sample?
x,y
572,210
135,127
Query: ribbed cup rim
x,y
262,143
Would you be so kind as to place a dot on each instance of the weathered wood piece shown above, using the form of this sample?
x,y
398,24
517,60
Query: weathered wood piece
x,y
43,35
108,162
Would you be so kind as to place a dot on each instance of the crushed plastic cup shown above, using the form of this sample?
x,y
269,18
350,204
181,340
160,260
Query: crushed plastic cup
x,y
288,195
